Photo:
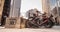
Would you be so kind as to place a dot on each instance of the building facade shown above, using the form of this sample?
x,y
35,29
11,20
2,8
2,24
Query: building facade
x,y
15,8
5,12
46,6
55,11
1,8
13,21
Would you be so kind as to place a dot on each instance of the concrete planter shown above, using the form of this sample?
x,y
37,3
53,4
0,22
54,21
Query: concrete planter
x,y
12,23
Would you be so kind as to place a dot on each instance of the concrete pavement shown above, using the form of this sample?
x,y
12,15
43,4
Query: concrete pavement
x,y
54,29
29,30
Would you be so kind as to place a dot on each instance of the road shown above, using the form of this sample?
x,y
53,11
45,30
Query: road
x,y
54,29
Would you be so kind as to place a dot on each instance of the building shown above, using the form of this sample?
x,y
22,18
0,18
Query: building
x,y
46,6
13,20
10,14
15,8
1,8
5,12
55,11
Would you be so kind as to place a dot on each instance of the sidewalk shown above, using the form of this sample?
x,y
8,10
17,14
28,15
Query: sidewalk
x,y
29,30
54,29
1,27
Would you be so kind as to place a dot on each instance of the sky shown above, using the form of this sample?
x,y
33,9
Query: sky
x,y
30,4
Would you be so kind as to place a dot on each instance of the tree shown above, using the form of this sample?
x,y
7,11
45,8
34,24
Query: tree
x,y
30,12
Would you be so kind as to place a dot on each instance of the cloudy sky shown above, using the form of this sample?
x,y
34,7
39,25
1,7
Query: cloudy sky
x,y
30,4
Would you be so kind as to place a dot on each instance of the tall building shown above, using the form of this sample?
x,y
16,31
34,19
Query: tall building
x,y
46,6
13,21
5,12
15,8
9,8
56,11
1,8
56,8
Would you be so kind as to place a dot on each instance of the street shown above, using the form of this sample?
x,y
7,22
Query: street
x,y
35,14
54,29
